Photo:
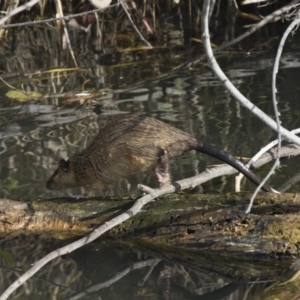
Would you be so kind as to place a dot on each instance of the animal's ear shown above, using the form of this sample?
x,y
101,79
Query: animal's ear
x,y
64,165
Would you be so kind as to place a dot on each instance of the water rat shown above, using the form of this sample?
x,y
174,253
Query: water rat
x,y
130,145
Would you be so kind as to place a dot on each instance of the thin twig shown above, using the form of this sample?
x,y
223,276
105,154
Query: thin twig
x,y
152,262
60,11
256,157
274,90
254,28
231,88
142,18
187,183
133,25
263,22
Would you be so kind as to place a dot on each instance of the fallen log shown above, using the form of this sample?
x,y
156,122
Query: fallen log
x,y
204,222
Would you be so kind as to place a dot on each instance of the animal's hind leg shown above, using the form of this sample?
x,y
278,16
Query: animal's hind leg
x,y
162,168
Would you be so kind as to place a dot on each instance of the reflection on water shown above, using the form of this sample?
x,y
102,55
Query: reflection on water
x,y
76,104
108,270
34,135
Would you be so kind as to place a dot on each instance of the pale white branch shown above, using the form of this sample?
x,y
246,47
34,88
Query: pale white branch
x,y
274,90
289,150
231,88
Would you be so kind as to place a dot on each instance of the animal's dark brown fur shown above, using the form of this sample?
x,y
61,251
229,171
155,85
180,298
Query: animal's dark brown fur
x,y
130,145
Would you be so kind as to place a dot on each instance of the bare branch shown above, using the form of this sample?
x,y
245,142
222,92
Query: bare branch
x,y
289,150
271,17
256,157
231,88
274,91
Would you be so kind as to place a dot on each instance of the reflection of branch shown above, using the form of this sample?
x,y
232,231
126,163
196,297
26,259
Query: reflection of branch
x,y
149,262
288,184
49,282
289,150
144,279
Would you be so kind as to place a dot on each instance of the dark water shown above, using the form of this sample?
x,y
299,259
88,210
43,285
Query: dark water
x,y
36,133
108,270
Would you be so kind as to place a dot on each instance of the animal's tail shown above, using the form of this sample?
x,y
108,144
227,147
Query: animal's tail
x,y
231,160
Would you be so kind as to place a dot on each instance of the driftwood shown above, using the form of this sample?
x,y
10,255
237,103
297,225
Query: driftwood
x,y
189,229
70,217
202,222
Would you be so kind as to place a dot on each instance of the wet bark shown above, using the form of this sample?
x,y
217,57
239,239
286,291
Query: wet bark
x,y
201,222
